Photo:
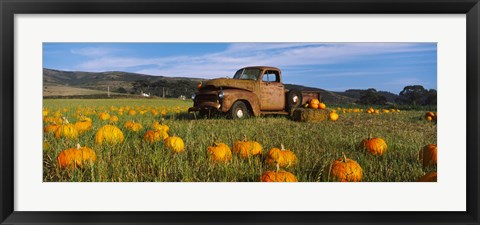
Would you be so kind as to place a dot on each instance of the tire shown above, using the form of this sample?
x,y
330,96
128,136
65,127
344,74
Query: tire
x,y
238,111
294,100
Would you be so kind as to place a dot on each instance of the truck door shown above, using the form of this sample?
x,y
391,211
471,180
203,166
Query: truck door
x,y
272,91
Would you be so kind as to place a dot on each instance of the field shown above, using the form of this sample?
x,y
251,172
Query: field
x,y
57,90
316,145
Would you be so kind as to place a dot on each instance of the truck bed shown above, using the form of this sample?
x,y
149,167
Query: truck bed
x,y
307,95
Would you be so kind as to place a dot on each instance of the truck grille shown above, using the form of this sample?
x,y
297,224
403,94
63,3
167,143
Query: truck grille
x,y
206,98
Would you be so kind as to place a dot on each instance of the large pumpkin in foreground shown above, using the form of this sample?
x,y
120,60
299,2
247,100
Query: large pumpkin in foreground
x,y
66,130
345,170
428,155
109,134
247,148
429,177
219,152
76,157
279,176
282,157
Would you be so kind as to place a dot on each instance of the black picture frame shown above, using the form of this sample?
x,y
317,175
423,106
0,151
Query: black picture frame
x,y
9,8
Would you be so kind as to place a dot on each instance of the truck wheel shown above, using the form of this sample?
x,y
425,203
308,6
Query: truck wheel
x,y
294,100
239,110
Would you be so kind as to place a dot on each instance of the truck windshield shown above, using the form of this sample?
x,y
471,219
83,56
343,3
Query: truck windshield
x,y
247,74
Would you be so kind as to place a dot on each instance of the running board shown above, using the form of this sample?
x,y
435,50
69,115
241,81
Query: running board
x,y
273,112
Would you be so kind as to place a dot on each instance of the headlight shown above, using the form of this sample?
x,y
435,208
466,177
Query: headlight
x,y
193,96
220,94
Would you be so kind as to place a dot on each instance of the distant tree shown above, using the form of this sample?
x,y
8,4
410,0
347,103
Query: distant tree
x,y
413,94
121,90
371,97
431,97
140,85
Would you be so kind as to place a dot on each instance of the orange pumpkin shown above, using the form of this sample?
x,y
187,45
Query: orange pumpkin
x,y
104,116
175,144
279,176
219,152
154,112
109,134
429,177
156,126
345,170
333,116
45,112
51,128
314,103
76,157
132,126
247,148
428,155
322,105
282,157
154,136
66,130
429,116
199,86
83,125
113,119
376,146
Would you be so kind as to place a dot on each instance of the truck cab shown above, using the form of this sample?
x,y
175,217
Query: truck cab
x,y
252,91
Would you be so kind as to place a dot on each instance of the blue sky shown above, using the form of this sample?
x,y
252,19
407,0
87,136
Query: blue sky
x,y
331,66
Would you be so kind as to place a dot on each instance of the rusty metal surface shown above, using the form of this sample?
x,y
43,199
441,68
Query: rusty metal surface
x,y
258,94
233,95
272,96
308,95
205,105
248,85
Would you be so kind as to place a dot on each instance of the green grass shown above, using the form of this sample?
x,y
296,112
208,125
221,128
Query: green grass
x,y
315,144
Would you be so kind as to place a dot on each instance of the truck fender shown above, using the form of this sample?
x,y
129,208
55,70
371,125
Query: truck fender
x,y
233,95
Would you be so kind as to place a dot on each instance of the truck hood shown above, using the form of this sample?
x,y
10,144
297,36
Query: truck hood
x,y
248,85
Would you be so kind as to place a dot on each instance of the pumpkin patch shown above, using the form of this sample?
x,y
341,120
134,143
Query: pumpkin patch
x,y
134,144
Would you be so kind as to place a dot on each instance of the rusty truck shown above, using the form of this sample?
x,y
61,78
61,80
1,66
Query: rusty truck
x,y
253,91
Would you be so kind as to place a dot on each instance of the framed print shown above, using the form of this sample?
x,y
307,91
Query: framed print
x,y
240,112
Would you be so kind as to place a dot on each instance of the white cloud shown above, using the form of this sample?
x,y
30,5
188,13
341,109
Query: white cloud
x,y
93,51
237,55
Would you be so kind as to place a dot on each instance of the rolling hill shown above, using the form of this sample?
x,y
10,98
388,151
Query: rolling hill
x,y
59,83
